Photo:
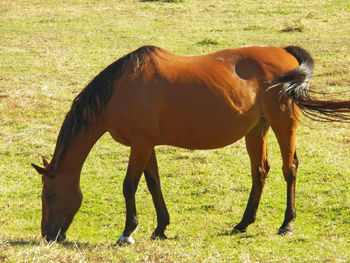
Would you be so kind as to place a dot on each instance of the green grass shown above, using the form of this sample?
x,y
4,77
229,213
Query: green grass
x,y
49,50
208,42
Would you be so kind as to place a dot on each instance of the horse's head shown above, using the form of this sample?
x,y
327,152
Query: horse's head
x,y
61,199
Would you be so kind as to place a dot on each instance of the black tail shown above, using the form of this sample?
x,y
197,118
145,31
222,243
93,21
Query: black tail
x,y
295,84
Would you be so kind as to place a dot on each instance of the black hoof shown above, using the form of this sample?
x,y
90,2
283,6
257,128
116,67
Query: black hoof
x,y
236,231
156,236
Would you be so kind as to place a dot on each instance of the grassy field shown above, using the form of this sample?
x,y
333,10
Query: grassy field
x,y
49,50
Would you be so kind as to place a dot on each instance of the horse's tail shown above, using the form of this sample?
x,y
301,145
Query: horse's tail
x,y
295,84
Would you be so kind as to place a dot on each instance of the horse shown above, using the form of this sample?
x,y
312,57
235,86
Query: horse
x,y
153,97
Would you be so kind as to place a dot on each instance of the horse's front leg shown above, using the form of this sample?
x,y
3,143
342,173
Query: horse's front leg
x,y
140,153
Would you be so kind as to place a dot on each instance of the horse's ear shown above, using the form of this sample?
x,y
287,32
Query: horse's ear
x,y
46,161
39,169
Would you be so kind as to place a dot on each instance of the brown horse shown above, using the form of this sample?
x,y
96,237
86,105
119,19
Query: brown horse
x,y
153,97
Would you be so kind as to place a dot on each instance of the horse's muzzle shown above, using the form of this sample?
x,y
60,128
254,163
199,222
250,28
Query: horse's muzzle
x,y
54,236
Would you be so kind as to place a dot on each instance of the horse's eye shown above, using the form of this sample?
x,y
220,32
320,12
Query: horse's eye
x,y
50,198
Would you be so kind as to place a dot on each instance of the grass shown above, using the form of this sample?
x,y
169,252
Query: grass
x,y
208,42
293,27
165,1
49,50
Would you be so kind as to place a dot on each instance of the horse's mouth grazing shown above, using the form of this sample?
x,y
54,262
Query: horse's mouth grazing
x,y
54,235
59,237
56,231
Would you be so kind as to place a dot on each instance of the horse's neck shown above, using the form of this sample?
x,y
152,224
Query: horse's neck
x,y
75,154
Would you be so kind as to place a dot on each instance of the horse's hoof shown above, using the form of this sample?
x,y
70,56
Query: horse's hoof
x,y
236,231
285,232
155,236
125,240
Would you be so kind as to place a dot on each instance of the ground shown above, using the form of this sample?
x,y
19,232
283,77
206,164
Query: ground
x,y
49,50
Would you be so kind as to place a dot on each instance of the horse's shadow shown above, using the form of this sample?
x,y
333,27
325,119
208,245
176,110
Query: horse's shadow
x,y
239,235
85,245
66,244
22,242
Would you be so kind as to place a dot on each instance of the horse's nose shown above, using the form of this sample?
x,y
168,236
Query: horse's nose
x,y
49,237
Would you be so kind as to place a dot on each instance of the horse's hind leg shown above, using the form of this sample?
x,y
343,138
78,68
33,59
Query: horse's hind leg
x,y
153,183
256,147
286,138
139,155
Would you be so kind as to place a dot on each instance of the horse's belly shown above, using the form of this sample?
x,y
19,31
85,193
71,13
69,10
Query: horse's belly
x,y
207,128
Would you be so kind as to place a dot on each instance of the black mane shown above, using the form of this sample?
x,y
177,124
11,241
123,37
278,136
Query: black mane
x,y
94,97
